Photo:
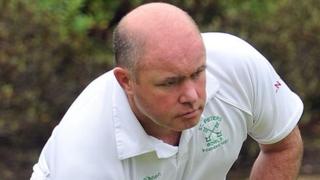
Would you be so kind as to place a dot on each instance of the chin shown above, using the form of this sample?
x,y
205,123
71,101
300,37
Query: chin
x,y
190,123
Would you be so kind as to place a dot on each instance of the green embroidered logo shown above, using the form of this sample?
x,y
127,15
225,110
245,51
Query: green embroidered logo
x,y
213,137
152,177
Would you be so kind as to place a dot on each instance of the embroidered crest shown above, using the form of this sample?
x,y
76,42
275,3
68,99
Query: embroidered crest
x,y
152,177
213,136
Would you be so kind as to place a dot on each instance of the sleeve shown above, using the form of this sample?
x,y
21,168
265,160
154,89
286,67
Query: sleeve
x,y
39,172
40,169
250,83
275,108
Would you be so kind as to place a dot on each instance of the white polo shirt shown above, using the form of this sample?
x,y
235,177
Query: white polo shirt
x,y
99,138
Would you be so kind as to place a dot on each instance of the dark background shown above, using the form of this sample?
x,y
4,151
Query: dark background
x,y
51,49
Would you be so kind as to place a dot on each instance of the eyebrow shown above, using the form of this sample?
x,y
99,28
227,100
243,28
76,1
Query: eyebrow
x,y
180,78
201,68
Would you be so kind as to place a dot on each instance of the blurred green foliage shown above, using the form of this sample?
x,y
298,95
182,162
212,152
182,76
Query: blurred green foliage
x,y
51,49
46,58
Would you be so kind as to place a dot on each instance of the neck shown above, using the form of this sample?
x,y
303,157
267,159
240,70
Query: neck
x,y
172,137
165,134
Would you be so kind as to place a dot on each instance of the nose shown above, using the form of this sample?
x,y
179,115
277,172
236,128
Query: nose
x,y
189,94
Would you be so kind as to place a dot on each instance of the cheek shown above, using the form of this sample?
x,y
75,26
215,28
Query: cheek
x,y
168,100
157,103
164,102
202,88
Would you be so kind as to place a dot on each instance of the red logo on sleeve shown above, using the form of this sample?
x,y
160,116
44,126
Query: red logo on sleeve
x,y
277,85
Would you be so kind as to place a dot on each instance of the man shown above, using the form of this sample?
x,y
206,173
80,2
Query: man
x,y
178,105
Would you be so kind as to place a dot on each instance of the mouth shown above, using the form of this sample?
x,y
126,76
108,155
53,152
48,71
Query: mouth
x,y
191,114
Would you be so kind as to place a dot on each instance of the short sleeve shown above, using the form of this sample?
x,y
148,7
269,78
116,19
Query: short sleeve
x,y
249,82
275,108
40,169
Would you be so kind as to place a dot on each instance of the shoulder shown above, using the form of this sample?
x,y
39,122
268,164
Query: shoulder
x,y
224,41
91,112
232,58
233,62
229,50
81,134
92,109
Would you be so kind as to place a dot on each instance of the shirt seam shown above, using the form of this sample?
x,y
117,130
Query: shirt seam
x,y
220,97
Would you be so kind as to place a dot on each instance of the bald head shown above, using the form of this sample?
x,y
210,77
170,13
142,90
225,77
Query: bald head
x,y
153,27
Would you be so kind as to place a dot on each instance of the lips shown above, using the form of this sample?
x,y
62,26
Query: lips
x,y
190,114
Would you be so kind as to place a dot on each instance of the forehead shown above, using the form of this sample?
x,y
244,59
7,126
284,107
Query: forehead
x,y
173,55
171,66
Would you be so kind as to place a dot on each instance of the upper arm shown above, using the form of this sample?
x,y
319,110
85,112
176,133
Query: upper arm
x,y
292,142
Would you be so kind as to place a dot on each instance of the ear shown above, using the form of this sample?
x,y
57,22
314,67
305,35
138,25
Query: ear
x,y
124,79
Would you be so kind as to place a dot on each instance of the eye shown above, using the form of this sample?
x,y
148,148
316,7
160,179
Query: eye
x,y
169,83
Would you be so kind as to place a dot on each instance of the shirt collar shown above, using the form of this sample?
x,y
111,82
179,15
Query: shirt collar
x,y
131,139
